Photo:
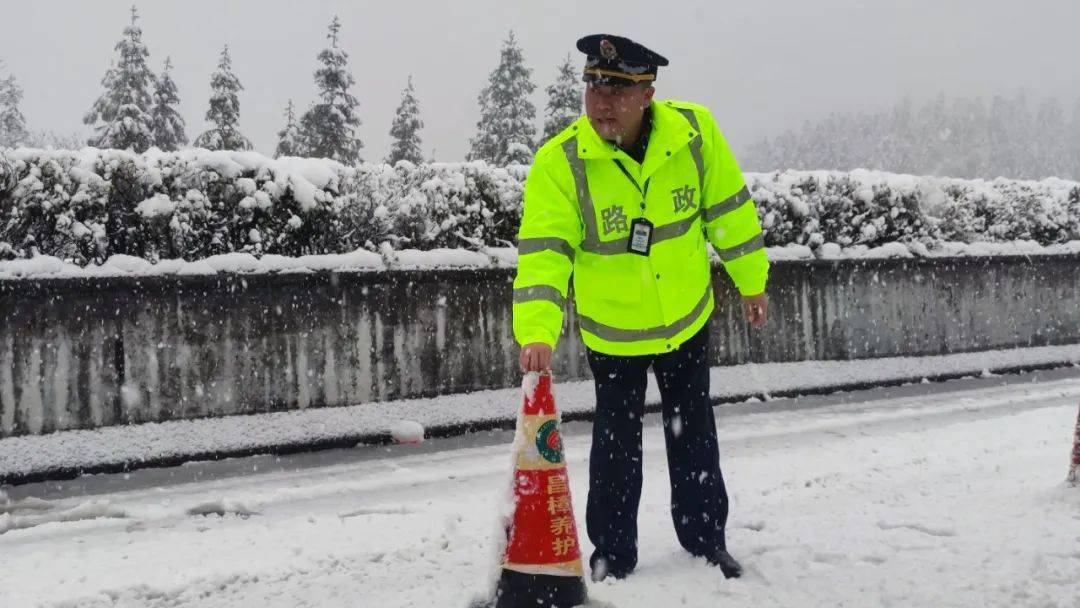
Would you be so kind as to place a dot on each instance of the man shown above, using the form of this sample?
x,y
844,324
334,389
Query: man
x,y
623,200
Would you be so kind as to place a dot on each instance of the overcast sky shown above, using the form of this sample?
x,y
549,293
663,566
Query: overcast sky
x,y
761,65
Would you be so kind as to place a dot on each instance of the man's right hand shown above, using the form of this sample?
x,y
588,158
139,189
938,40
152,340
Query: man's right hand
x,y
535,357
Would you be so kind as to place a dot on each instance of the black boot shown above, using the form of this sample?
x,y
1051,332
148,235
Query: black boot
x,y
604,566
728,565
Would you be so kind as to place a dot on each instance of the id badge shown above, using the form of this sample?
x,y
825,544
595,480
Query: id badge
x,y
640,236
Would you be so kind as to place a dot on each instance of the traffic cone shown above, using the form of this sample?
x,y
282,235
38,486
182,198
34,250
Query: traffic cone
x,y
542,562
1074,468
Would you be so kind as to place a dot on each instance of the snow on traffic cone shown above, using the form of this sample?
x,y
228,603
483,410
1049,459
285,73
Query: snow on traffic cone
x,y
542,562
1074,468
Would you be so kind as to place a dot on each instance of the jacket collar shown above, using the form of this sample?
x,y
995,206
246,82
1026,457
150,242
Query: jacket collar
x,y
670,132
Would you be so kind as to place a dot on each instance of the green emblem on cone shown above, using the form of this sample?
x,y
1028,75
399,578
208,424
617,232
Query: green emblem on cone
x,y
548,442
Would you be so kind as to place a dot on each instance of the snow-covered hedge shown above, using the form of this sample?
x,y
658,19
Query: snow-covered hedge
x,y
871,209
86,206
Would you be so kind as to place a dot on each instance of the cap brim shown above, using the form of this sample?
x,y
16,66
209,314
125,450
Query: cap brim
x,y
616,79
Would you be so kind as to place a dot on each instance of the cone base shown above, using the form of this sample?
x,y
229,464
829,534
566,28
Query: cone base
x,y
518,590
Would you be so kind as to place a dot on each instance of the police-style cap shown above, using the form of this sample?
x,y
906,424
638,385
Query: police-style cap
x,y
618,61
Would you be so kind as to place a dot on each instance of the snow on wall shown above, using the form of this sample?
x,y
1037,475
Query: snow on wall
x,y
83,207
388,259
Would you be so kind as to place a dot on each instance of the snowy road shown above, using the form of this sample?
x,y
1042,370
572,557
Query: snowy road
x,y
943,495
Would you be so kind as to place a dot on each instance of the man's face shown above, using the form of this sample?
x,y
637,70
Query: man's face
x,y
615,111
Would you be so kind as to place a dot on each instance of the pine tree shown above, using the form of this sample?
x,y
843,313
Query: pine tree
x,y
506,134
964,151
329,127
168,124
12,124
290,139
406,129
998,131
224,110
122,115
1051,152
1074,147
51,140
564,100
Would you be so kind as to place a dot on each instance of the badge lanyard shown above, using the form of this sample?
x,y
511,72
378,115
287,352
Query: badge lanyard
x,y
640,229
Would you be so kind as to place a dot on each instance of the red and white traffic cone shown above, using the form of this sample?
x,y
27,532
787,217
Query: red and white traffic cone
x,y
542,562
1074,468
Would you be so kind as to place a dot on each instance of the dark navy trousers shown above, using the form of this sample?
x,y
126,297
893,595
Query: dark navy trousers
x,y
699,501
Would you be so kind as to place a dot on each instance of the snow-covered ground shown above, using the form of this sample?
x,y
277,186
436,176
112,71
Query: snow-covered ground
x,y
928,495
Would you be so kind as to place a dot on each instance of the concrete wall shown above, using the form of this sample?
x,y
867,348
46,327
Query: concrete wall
x,y
83,353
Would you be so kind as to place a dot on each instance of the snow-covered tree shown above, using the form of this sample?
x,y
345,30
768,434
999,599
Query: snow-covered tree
x,y
506,133
12,124
224,110
1009,136
290,139
51,140
964,149
564,100
329,127
121,117
406,129
1051,153
168,124
960,137
1073,136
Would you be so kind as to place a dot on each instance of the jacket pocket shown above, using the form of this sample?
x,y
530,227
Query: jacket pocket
x,y
607,282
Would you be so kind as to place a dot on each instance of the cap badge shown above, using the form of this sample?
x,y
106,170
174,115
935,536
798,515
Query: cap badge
x,y
607,50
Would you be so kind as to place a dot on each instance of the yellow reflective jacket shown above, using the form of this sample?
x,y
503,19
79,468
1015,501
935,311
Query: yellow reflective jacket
x,y
579,204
